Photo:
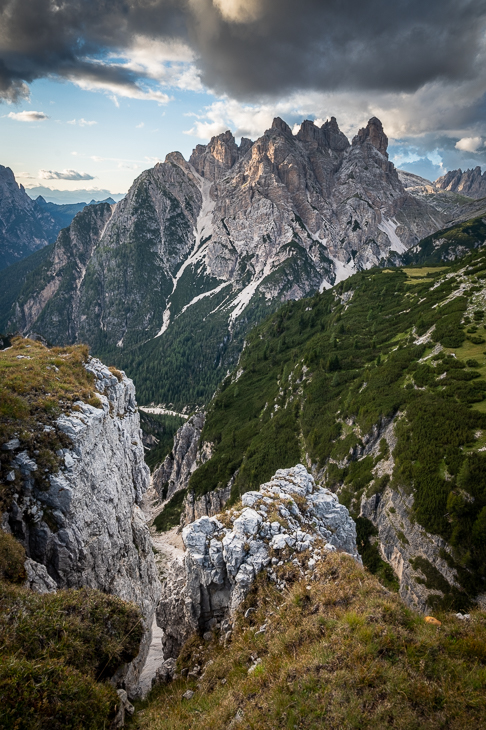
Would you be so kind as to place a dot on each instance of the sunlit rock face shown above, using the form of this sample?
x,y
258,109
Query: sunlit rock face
x,y
206,248
471,183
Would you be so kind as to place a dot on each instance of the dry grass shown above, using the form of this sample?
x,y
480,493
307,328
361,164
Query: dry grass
x,y
342,653
117,373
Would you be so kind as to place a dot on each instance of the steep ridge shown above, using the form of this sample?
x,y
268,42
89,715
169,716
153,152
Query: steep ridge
x,y
378,386
24,225
198,251
73,477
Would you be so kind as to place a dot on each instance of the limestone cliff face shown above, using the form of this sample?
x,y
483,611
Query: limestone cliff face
x,y
174,473
279,217
51,303
221,563
400,539
87,528
211,245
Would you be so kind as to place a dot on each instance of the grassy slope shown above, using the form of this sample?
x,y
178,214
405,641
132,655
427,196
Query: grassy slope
x,y
58,650
341,652
322,372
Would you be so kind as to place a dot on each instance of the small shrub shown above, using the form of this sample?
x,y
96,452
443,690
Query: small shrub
x,y
12,558
117,373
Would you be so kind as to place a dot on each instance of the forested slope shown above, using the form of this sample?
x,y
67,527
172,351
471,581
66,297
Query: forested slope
x,y
321,381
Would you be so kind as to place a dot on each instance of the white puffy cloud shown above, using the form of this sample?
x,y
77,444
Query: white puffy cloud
x,y
469,144
28,116
64,175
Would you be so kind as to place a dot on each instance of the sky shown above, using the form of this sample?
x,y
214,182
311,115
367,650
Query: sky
x,y
93,92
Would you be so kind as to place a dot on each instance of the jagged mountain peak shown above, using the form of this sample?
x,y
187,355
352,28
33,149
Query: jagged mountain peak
x,y
223,239
471,183
373,133
24,224
213,160
279,124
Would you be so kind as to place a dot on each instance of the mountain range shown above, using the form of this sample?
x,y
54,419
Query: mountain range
x,y
167,282
24,226
28,225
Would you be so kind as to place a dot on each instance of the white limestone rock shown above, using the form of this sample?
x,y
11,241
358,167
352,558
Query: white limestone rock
x,y
87,528
221,564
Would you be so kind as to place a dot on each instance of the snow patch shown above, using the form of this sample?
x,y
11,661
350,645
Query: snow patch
x,y
204,294
389,226
343,271
203,229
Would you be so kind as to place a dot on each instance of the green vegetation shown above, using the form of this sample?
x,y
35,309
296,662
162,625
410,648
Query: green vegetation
x,y
321,373
170,515
158,431
448,243
339,652
12,559
57,652
36,384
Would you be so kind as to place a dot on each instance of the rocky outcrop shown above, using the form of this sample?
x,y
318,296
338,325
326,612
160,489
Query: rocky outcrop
x,y
401,541
174,473
287,518
86,528
471,183
24,226
375,134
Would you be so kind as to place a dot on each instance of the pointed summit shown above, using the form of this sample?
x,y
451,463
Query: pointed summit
x,y
282,126
213,160
373,132
336,139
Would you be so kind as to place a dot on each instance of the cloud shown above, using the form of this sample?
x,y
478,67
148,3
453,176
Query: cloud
x,y
469,144
82,122
249,49
64,175
140,126
28,116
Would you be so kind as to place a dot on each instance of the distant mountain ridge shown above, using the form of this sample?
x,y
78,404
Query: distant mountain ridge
x,y
470,182
169,280
24,226
63,214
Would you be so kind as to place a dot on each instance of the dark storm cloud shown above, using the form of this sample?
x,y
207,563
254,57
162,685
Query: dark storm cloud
x,y
250,48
